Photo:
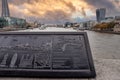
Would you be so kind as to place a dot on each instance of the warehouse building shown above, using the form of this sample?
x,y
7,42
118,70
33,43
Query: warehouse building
x,y
12,21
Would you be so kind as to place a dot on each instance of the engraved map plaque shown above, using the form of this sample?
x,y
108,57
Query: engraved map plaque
x,y
46,54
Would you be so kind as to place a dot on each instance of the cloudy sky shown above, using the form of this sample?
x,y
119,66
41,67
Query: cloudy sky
x,y
59,11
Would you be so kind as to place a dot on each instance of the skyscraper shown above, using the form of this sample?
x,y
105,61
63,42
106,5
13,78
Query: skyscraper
x,y
5,9
100,14
7,20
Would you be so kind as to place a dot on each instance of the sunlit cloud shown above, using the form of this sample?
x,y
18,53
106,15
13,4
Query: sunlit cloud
x,y
51,11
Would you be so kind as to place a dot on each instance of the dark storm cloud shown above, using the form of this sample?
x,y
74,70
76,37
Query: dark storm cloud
x,y
101,3
108,4
61,15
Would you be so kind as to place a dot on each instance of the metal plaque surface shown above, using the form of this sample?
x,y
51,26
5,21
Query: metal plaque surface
x,y
46,54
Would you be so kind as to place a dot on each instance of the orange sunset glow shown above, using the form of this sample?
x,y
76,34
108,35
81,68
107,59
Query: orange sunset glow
x,y
57,10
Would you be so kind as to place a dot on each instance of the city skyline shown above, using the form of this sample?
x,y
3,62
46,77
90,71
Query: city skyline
x,y
59,11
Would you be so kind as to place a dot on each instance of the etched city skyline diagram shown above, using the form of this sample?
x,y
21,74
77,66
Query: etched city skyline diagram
x,y
44,52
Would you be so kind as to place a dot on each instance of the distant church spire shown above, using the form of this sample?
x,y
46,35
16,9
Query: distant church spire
x,y
5,9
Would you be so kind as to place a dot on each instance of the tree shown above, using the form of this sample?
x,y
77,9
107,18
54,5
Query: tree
x,y
105,26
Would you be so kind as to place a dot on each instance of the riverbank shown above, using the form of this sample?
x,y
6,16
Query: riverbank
x,y
12,29
48,29
110,32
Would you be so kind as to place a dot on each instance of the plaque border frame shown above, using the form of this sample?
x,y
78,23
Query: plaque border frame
x,y
54,73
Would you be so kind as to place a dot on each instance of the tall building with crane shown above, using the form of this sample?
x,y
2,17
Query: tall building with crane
x,y
6,20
